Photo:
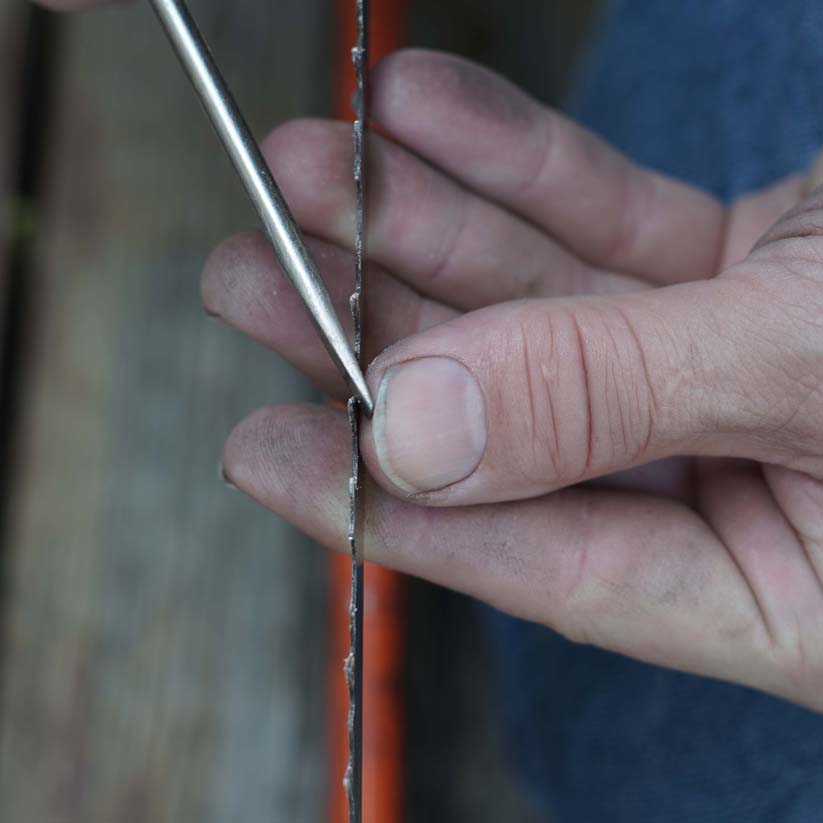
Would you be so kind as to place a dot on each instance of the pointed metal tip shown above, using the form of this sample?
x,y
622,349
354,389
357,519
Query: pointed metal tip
x,y
345,358
357,383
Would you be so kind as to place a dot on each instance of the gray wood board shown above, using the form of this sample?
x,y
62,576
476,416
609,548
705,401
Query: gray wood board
x,y
163,636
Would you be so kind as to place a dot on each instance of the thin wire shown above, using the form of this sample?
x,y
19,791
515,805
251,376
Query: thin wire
x,y
354,662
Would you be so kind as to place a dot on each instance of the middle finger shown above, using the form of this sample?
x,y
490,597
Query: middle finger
x,y
448,243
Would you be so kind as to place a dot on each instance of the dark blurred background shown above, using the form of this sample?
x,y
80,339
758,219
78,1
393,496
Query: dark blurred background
x,y
163,648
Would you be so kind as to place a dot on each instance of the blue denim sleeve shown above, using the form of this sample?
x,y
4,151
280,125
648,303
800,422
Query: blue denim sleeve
x,y
725,94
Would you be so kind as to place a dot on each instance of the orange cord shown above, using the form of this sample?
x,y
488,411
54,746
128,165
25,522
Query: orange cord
x,y
383,657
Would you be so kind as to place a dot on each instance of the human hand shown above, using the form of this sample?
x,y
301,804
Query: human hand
x,y
555,315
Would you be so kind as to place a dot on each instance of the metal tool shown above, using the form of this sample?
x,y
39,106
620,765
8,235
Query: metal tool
x,y
281,228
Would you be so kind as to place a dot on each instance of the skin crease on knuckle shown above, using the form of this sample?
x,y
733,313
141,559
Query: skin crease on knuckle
x,y
583,414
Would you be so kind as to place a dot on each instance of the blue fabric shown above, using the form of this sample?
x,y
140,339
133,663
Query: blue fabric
x,y
729,95
723,93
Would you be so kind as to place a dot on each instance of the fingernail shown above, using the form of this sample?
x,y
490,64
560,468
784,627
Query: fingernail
x,y
221,470
429,424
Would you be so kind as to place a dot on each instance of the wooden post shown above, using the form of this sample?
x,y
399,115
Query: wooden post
x,y
163,636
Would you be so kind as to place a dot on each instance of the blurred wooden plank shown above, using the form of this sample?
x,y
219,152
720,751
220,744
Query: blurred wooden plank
x,y
12,41
164,636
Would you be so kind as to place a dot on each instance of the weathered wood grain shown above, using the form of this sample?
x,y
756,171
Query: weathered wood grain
x,y
164,636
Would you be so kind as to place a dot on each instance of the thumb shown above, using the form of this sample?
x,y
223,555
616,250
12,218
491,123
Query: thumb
x,y
522,398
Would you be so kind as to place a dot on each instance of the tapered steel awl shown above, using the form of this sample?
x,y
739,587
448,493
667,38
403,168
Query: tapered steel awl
x,y
280,226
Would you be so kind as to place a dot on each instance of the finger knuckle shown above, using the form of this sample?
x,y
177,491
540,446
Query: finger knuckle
x,y
591,401
620,397
556,412
636,205
629,395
